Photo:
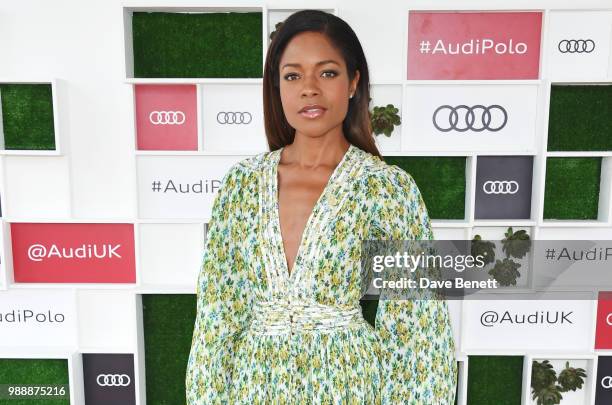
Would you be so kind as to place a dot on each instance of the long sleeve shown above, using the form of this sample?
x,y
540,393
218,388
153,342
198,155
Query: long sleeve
x,y
224,298
416,334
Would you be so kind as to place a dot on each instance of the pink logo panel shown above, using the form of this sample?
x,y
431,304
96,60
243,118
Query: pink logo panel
x,y
603,333
475,45
73,253
166,117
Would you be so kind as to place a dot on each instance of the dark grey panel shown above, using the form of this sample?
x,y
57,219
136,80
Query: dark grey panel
x,y
109,378
503,187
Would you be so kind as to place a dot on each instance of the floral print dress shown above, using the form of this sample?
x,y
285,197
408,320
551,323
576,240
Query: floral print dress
x,y
264,336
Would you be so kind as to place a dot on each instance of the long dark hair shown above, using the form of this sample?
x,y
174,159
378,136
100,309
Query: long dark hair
x,y
356,126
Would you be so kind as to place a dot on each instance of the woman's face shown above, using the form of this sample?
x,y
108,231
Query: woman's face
x,y
313,72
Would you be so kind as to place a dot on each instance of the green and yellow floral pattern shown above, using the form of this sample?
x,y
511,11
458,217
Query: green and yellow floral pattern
x,y
408,358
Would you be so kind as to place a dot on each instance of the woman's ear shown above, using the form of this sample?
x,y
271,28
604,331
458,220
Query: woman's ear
x,y
353,86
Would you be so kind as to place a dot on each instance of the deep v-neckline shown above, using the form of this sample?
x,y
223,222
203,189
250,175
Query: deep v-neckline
x,y
315,209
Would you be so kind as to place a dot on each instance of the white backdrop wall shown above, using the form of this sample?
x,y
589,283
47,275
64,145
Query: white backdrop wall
x,y
81,46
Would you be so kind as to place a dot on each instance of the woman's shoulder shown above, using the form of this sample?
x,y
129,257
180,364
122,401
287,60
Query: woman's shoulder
x,y
248,166
251,163
243,175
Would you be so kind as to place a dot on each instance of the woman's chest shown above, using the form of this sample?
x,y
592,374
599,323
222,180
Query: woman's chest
x,y
329,260
299,191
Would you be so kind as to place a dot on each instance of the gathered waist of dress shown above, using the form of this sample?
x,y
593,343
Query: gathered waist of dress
x,y
281,317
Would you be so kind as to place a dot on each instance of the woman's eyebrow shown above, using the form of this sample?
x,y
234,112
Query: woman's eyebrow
x,y
323,62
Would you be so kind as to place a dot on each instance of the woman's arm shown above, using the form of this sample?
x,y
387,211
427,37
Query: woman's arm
x,y
224,298
416,334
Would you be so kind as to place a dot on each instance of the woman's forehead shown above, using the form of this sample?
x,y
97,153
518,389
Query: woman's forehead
x,y
309,48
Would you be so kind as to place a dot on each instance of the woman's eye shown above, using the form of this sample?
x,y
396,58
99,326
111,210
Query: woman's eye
x,y
333,73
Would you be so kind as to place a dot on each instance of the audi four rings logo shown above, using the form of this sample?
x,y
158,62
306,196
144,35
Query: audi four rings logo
x,y
113,380
468,118
576,46
606,382
167,117
500,187
228,117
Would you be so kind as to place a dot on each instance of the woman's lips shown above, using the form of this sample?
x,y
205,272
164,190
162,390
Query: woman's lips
x,y
312,113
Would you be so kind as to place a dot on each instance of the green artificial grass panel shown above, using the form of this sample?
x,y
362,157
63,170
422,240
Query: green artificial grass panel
x,y
27,116
211,45
168,321
580,118
44,372
495,380
368,310
572,187
441,181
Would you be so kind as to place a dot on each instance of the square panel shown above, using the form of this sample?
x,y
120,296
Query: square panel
x,y
549,322
573,387
209,43
168,322
180,187
503,187
27,116
572,188
109,378
578,45
73,252
37,372
25,317
479,45
470,118
106,318
232,118
579,118
170,254
48,191
166,117
494,380
494,269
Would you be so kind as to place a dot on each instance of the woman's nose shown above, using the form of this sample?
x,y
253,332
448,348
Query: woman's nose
x,y
310,86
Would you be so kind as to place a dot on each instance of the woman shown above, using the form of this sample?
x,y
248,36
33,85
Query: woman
x,y
278,314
